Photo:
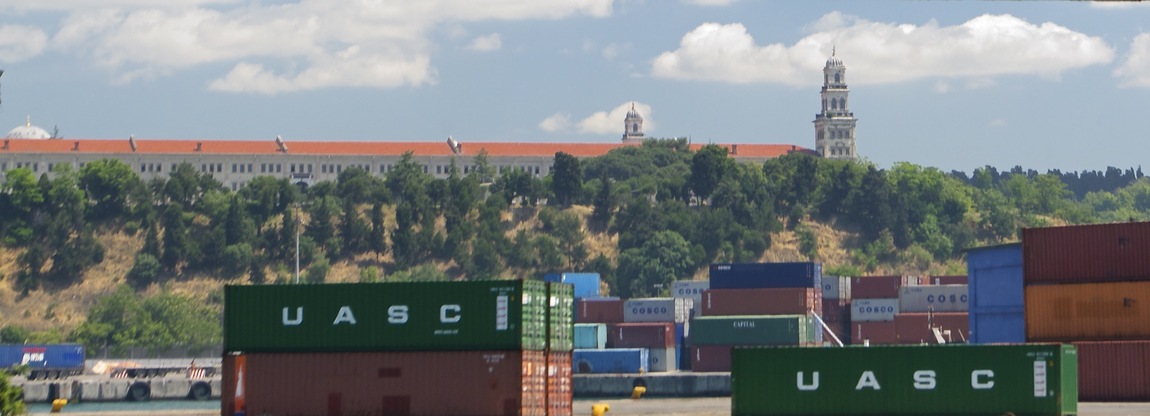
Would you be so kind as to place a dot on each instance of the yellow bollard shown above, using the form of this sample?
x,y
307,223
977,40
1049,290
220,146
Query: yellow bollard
x,y
598,409
637,392
58,405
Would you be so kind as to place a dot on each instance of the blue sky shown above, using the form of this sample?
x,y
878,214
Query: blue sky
x,y
954,85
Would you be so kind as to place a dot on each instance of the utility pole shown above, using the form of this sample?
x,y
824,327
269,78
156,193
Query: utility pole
x,y
297,221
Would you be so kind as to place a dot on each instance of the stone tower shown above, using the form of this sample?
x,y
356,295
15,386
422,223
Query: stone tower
x,y
835,125
633,126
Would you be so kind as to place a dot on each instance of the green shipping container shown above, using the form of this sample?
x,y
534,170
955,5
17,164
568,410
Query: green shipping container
x,y
423,316
561,317
752,330
1035,379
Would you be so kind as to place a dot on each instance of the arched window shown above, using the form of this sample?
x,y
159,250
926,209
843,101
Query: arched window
x,y
838,78
635,128
834,104
843,103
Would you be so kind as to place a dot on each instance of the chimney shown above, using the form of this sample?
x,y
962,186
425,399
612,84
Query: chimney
x,y
281,145
734,149
199,146
75,146
132,142
5,145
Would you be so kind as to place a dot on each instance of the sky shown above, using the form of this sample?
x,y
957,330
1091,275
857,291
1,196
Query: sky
x,y
949,84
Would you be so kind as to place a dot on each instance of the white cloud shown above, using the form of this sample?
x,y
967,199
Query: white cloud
x,y
486,43
612,51
942,87
985,46
1135,69
557,122
710,2
18,43
607,122
283,46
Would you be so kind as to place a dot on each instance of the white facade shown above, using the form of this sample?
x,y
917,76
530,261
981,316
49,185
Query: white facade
x,y
835,124
633,126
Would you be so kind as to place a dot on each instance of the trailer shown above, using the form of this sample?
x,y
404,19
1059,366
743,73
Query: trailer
x,y
44,361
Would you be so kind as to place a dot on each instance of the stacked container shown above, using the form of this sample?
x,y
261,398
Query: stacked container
x,y
836,305
997,304
1089,284
909,310
499,347
691,290
874,303
752,304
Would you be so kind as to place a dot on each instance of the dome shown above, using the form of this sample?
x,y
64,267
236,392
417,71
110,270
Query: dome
x,y
28,131
633,113
832,61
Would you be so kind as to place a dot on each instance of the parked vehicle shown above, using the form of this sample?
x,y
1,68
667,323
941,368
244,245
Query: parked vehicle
x,y
44,360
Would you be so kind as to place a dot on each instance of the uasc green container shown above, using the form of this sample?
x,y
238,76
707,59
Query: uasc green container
x,y
752,330
561,317
972,380
424,316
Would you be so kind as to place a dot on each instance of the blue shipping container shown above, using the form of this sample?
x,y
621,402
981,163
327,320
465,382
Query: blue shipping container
x,y
615,360
998,326
995,277
586,284
44,359
590,336
766,275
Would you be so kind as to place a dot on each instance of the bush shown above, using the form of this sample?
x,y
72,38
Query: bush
x,y
145,271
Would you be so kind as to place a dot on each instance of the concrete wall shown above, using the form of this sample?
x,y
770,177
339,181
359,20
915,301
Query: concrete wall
x,y
658,385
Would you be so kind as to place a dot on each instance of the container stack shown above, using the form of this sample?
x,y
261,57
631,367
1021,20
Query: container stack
x,y
836,312
755,304
997,304
909,310
691,290
874,303
1089,285
429,348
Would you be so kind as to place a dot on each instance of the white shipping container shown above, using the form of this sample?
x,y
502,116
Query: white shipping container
x,y
691,289
873,310
941,298
835,287
655,310
661,359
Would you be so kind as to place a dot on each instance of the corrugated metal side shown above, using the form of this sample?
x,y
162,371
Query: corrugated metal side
x,y
231,401
494,383
586,285
1087,253
1088,312
782,301
915,328
654,310
616,360
661,359
765,275
559,384
874,332
905,380
590,336
711,358
690,289
934,298
836,287
997,327
961,279
641,335
1110,371
561,317
605,311
873,310
752,330
995,276
875,287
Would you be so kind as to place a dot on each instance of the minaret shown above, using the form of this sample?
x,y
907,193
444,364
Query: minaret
x,y
835,125
633,126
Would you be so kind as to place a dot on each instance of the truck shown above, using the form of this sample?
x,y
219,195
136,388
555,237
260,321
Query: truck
x,y
44,361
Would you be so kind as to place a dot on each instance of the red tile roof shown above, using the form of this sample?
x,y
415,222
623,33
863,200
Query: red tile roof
x,y
248,147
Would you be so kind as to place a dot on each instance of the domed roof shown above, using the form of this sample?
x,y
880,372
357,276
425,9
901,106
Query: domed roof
x,y
28,131
833,61
633,113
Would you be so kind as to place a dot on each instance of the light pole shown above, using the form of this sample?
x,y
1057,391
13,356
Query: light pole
x,y
297,221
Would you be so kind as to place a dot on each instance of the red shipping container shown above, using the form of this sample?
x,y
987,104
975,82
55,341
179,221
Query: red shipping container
x,y
949,280
448,383
914,328
875,332
598,311
641,335
711,358
780,301
559,384
836,310
1086,253
840,329
875,287
1112,371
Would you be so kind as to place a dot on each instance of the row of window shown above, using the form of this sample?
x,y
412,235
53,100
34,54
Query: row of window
x,y
154,167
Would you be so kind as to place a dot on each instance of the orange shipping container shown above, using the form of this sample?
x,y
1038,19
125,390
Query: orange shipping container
x,y
1088,312
559,384
444,383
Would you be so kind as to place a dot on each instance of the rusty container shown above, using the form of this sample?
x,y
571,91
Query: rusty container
x,y
774,301
875,287
949,280
599,311
446,383
1088,312
650,335
711,358
836,310
915,328
1113,371
875,332
559,384
1086,253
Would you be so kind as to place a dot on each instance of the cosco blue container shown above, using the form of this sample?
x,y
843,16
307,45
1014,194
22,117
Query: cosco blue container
x,y
995,277
586,284
44,359
615,360
766,275
590,336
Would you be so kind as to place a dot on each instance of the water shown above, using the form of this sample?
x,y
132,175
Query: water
x,y
115,407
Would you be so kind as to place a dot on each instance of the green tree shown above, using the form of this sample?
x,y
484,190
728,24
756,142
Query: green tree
x,y
109,183
566,178
708,167
11,397
646,271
